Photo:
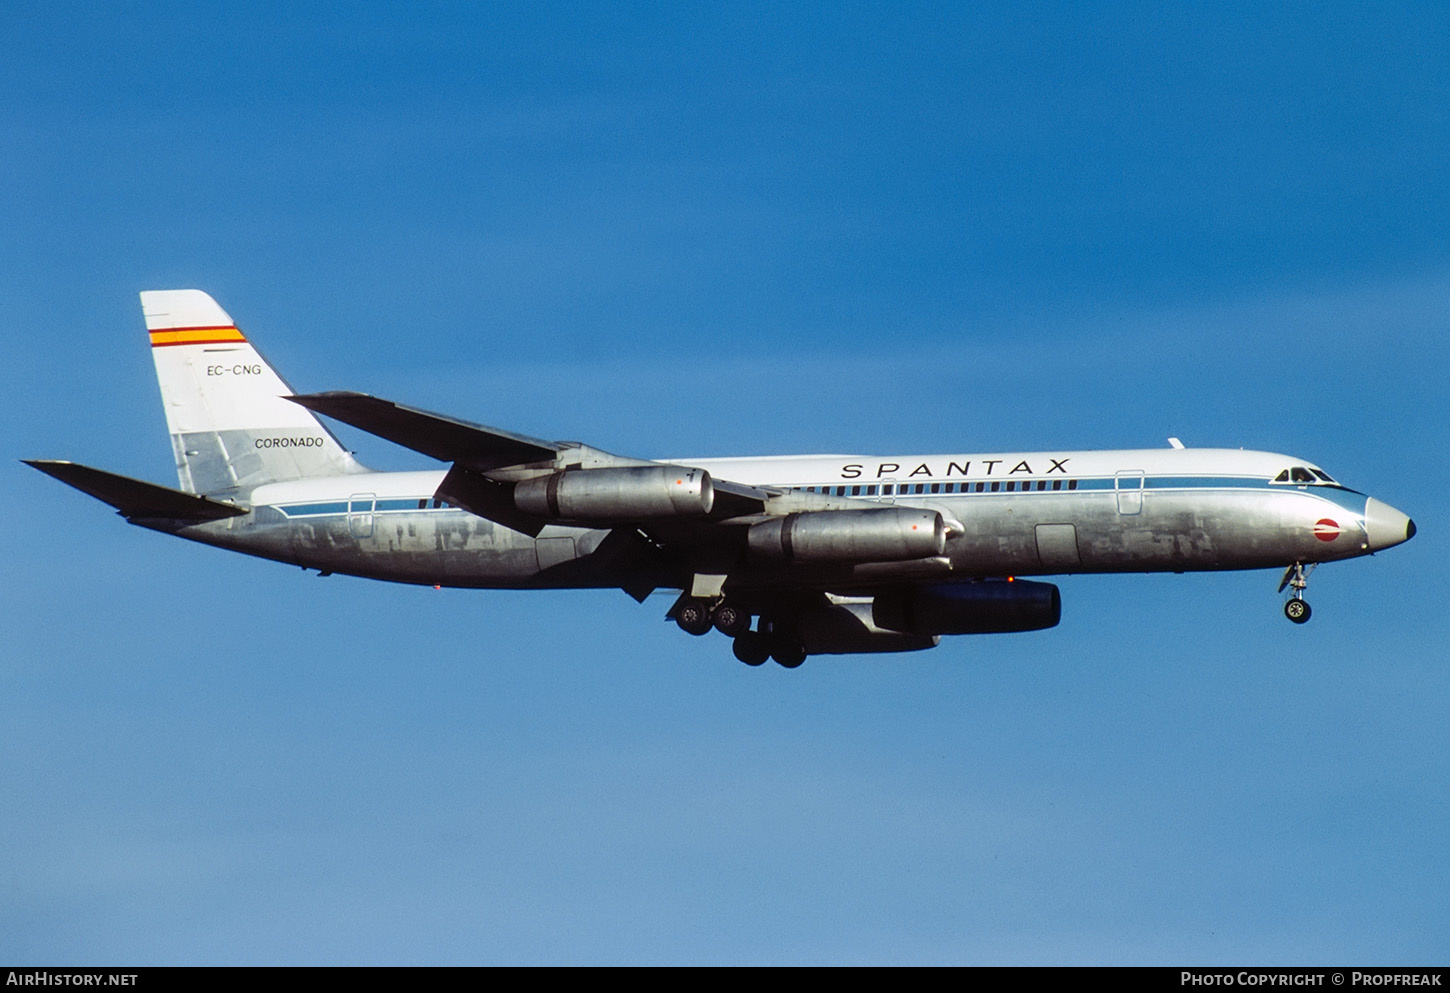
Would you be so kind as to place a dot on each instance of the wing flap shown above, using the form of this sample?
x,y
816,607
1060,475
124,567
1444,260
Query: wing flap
x,y
134,498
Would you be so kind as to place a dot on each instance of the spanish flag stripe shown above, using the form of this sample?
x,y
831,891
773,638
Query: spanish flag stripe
x,y
195,336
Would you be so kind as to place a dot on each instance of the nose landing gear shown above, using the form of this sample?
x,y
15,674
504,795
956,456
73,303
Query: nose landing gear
x,y
1296,608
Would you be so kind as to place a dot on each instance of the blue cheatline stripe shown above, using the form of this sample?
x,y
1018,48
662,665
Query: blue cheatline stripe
x,y
363,507
313,509
1339,496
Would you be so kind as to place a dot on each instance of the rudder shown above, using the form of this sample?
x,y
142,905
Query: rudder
x,y
231,429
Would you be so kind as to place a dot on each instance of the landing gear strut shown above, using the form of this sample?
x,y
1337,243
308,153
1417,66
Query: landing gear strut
x,y
1297,577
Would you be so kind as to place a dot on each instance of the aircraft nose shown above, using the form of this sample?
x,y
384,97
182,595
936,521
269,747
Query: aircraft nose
x,y
1384,526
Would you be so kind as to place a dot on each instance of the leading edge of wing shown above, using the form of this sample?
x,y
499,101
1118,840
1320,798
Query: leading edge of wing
x,y
134,498
474,448
444,438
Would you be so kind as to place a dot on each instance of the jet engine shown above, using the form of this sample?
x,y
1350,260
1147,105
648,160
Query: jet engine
x,y
984,607
847,629
627,493
890,534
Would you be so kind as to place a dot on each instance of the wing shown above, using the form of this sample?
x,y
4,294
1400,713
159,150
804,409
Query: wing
x,y
134,499
446,438
668,524
488,463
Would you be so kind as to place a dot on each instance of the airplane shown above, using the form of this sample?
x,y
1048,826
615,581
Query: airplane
x,y
788,556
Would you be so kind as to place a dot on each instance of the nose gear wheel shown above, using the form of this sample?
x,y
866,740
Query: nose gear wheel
x,y
1297,578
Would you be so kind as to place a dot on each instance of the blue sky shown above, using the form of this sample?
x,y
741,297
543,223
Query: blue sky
x,y
673,231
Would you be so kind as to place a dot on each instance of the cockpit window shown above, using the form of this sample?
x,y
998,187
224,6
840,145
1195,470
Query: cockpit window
x,y
1303,475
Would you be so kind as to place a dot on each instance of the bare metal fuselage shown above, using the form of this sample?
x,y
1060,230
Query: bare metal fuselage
x,y
388,526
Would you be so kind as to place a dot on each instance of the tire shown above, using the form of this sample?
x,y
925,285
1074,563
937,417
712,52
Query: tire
x,y
730,620
693,617
789,653
1297,611
751,648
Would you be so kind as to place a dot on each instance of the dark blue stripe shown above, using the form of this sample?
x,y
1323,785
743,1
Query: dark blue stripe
x,y
310,509
362,507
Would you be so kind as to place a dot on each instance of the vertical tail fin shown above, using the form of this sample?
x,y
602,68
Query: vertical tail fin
x,y
230,428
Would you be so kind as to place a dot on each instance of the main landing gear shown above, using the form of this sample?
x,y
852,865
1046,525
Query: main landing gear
x,y
754,647
697,615
1296,608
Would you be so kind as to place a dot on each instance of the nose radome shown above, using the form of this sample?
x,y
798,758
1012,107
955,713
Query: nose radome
x,y
1384,526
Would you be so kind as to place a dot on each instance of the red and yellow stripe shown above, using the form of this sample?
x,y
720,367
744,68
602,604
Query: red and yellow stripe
x,y
196,336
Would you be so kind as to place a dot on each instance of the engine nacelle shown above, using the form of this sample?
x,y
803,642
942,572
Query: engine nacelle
x,y
988,607
890,534
846,629
627,493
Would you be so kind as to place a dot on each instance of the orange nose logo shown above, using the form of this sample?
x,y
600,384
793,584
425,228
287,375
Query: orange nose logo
x,y
1325,529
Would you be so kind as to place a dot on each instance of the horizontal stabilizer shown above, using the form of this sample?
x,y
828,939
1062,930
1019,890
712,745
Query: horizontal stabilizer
x,y
444,438
134,498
